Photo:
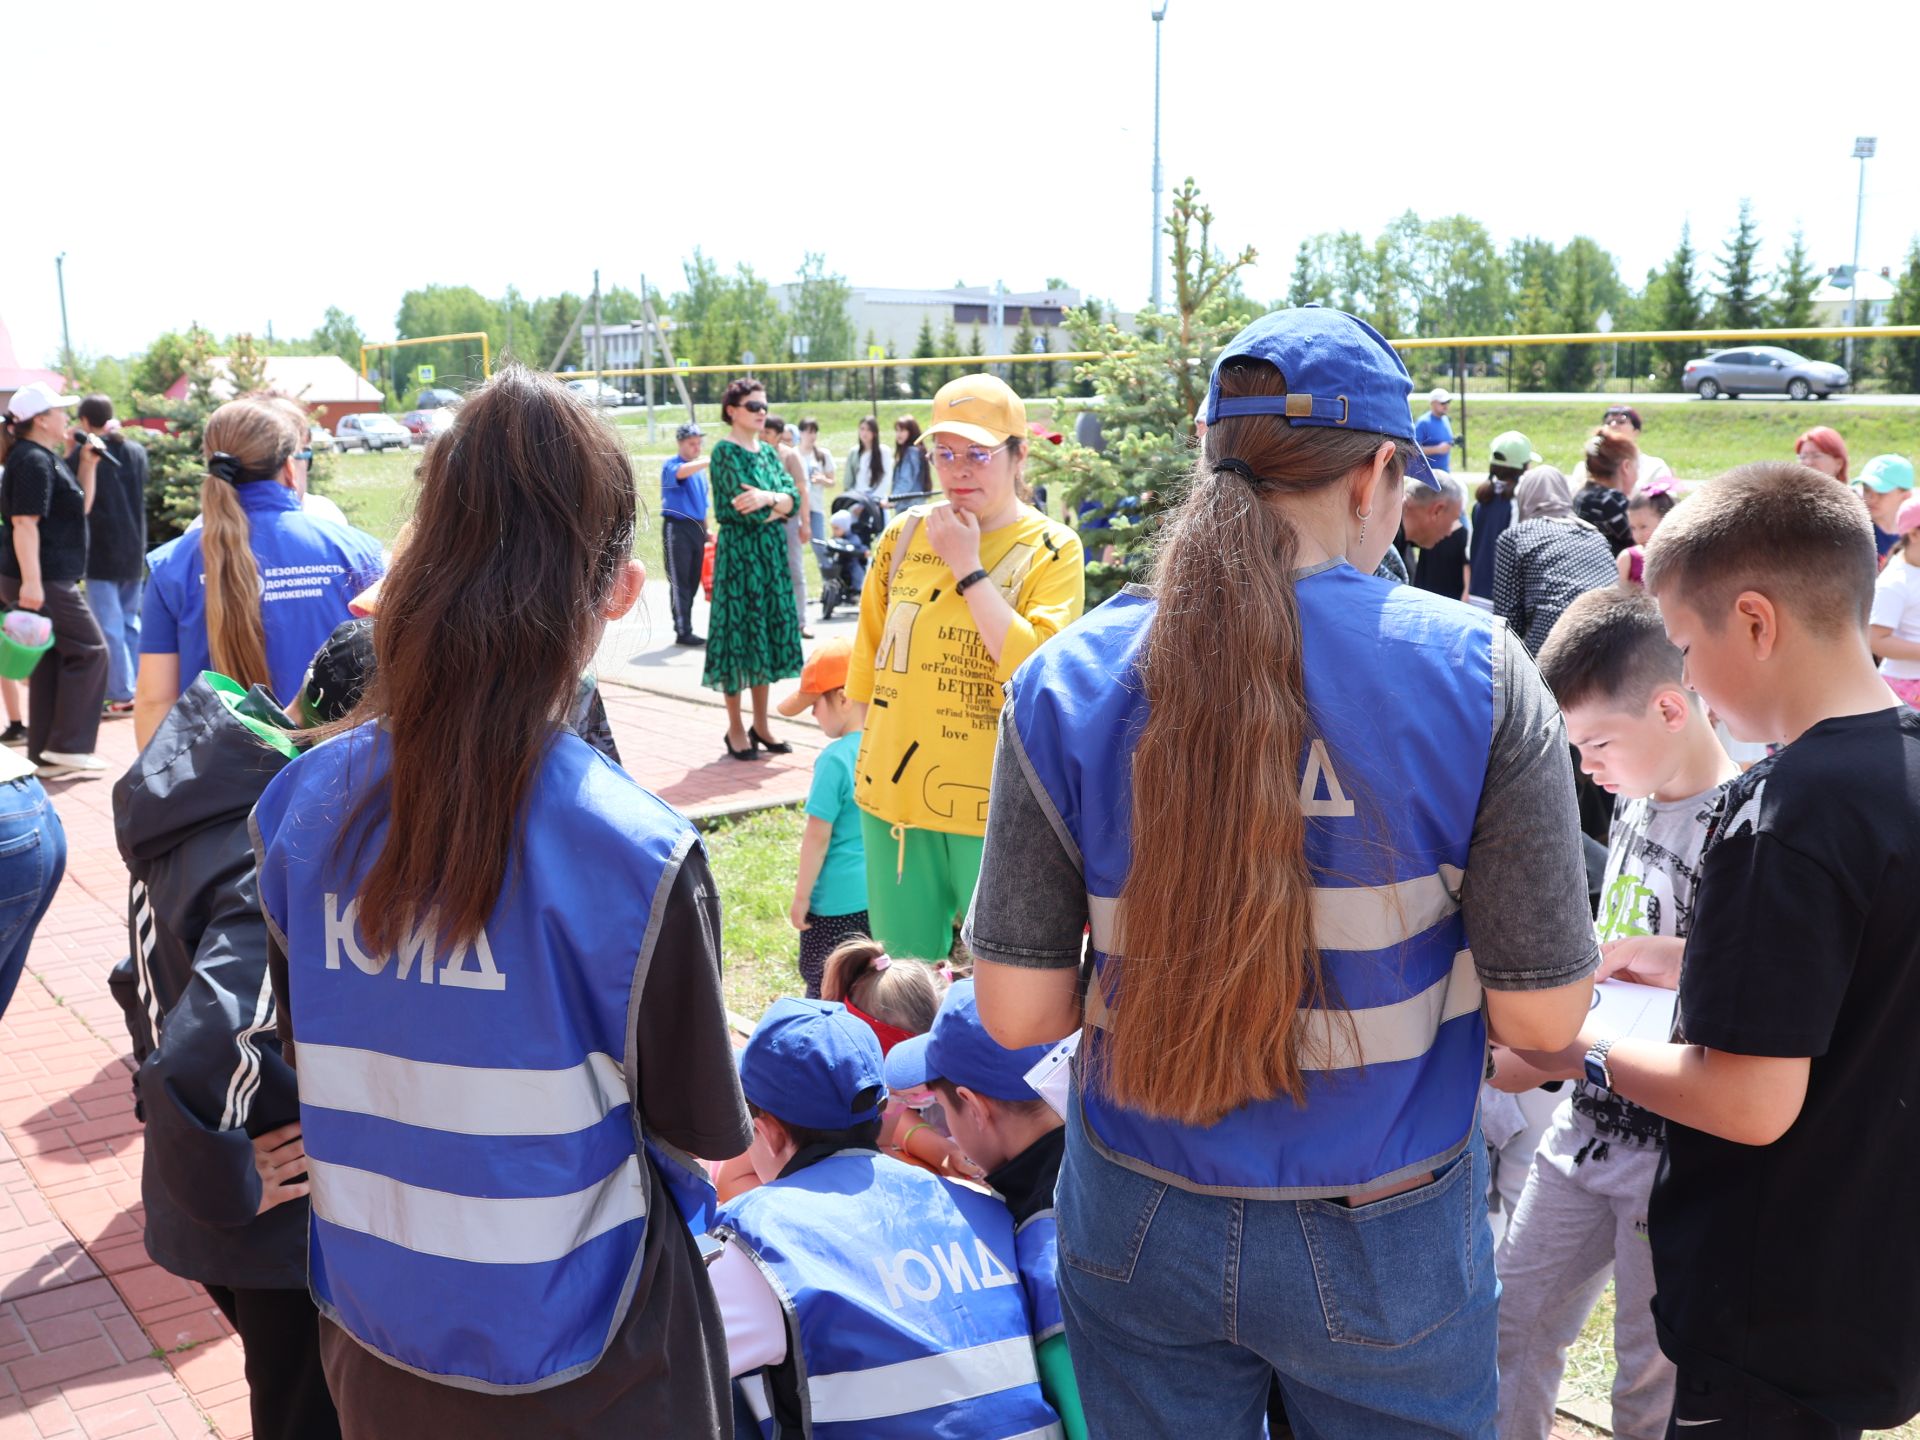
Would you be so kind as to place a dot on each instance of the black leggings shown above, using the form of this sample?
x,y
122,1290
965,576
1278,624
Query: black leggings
x,y
280,1330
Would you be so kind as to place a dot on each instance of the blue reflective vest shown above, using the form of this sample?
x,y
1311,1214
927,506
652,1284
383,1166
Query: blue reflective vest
x,y
1399,686
479,1202
900,1293
1036,1248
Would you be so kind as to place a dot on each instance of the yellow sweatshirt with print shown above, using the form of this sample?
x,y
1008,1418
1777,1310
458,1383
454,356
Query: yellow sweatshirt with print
x,y
933,689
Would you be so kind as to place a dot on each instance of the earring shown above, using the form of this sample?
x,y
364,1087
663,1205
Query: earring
x,y
1362,516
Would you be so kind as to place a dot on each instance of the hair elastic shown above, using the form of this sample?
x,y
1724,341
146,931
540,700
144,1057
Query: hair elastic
x,y
1237,467
233,470
880,962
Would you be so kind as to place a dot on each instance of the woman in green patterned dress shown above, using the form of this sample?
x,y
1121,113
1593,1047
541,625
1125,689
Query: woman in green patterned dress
x,y
753,631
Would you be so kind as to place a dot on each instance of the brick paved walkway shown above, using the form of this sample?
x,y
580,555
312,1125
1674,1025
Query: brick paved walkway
x,y
96,1340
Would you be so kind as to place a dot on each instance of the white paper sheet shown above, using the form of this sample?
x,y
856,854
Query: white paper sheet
x,y
1629,1011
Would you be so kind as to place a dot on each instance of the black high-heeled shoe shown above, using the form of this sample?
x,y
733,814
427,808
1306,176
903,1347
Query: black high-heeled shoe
x,y
772,747
746,754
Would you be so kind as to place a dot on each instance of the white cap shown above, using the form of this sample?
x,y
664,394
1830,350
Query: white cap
x,y
36,399
1440,397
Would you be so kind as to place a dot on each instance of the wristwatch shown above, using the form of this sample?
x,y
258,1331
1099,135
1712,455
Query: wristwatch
x,y
966,580
1598,1075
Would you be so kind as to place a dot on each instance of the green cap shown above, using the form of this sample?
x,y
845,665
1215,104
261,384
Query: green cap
x,y
1512,450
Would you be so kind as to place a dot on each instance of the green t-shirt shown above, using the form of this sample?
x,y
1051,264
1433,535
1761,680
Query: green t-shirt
x,y
842,886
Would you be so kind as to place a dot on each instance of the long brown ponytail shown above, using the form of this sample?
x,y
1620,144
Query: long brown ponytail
x,y
523,525
260,436
1216,941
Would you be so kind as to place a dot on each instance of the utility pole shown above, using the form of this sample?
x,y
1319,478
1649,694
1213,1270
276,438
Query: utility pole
x,y
998,315
1863,148
1158,16
66,342
646,348
599,335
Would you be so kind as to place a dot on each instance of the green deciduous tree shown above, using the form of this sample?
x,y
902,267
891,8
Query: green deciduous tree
x,y
338,334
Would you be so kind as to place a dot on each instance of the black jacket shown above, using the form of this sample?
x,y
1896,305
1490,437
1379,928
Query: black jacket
x,y
197,1000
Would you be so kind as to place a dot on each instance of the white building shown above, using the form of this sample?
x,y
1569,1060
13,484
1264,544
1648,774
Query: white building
x,y
1830,301
894,317
626,346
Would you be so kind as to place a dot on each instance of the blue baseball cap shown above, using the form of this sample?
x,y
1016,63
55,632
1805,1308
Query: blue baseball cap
x,y
1341,374
811,1063
960,1051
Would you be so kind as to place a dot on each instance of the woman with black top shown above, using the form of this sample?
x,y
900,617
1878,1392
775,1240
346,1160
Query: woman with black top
x,y
43,555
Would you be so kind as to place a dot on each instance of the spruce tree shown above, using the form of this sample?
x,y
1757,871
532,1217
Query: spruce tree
x,y
927,379
1678,305
1903,356
1791,305
1739,304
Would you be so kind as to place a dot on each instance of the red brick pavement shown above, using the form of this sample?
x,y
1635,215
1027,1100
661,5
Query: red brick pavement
x,y
96,1340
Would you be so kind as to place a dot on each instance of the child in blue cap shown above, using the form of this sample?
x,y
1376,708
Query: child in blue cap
x,y
1019,1140
862,1296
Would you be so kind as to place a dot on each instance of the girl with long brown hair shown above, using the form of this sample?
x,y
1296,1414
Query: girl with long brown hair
x,y
498,977
1312,819
256,588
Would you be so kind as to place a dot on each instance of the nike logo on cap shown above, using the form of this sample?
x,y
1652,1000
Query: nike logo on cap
x,y
959,400
1678,1421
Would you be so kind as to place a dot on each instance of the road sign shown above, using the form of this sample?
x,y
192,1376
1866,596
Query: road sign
x,y
800,344
876,352
684,364
1863,147
424,374
747,357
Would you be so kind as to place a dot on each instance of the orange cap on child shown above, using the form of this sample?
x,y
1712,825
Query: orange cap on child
x,y
826,669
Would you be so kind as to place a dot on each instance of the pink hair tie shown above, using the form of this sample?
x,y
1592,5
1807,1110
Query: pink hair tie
x,y
1665,485
946,971
881,962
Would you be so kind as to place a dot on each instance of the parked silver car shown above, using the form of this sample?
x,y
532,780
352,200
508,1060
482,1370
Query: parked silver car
x,y
1762,370
371,432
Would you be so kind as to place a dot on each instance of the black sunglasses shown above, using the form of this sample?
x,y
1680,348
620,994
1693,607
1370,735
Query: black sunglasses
x,y
758,407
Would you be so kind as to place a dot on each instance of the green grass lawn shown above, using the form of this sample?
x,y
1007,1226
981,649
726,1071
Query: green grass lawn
x,y
754,857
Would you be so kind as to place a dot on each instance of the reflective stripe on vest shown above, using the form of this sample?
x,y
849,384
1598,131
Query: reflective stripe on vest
x,y
1036,1244
909,1316
479,1192
1399,689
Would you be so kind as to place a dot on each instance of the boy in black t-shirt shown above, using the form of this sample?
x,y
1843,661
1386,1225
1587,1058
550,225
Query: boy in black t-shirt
x,y
1786,1257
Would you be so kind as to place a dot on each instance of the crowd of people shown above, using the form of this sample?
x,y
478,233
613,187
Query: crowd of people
x,y
1195,1017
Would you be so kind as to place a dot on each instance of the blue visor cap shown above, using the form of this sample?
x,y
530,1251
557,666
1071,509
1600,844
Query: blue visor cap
x,y
960,1051
1340,373
811,1063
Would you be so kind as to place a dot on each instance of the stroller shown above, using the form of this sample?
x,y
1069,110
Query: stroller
x,y
844,553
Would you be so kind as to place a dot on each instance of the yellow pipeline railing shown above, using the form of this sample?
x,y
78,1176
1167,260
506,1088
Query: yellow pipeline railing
x,y
1422,342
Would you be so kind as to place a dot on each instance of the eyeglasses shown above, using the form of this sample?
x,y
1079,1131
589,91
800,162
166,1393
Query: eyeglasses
x,y
758,407
304,455
973,454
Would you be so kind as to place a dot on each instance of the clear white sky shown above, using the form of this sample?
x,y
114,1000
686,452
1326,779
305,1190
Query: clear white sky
x,y
260,162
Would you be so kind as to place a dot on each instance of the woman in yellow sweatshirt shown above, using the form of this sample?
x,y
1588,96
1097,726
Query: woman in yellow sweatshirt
x,y
961,591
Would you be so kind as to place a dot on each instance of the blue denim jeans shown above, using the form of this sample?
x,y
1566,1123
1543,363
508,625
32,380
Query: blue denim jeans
x,y
116,605
33,857
1379,1322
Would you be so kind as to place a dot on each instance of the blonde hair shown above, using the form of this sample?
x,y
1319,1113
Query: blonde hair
x,y
902,993
261,434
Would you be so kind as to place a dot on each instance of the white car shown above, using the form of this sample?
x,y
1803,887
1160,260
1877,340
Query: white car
x,y
596,392
371,432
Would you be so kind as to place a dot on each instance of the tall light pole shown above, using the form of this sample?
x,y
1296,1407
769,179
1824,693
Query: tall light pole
x,y
1863,147
66,342
1158,16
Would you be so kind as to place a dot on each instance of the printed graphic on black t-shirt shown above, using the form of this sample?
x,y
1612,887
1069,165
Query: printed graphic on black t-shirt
x,y
1800,1260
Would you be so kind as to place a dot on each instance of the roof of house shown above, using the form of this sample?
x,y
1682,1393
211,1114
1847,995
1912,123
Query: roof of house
x,y
1015,300
1874,288
310,379
13,374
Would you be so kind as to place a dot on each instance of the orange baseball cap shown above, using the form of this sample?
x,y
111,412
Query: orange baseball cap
x,y
982,408
826,669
